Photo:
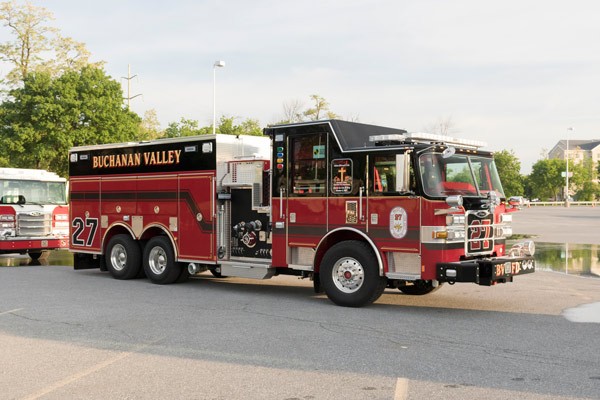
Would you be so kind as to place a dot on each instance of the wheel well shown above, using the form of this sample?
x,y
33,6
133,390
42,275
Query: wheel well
x,y
154,231
146,235
115,230
334,238
151,232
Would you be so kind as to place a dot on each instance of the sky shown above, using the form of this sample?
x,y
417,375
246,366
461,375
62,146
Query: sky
x,y
515,74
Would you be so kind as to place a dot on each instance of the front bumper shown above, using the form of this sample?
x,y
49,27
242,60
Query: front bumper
x,y
22,245
487,271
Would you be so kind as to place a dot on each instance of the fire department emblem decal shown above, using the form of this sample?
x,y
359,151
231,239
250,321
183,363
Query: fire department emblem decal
x,y
398,222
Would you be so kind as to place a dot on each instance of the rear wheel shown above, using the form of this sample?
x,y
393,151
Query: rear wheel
x,y
36,255
159,261
124,258
419,288
350,276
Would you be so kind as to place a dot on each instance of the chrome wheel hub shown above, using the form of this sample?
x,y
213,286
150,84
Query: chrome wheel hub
x,y
348,275
118,257
157,260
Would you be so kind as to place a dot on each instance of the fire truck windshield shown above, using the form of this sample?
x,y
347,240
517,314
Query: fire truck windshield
x,y
14,191
458,175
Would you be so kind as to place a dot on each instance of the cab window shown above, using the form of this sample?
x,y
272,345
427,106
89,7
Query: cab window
x,y
308,171
384,174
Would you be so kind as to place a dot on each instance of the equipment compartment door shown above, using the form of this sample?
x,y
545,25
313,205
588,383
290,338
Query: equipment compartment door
x,y
250,233
196,227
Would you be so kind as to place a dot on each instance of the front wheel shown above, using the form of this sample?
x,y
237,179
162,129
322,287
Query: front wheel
x,y
123,259
159,261
350,276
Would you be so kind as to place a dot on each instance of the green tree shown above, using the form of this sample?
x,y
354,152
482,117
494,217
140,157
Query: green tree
x,y
227,126
588,189
150,126
545,180
319,110
47,116
186,127
247,127
509,169
37,46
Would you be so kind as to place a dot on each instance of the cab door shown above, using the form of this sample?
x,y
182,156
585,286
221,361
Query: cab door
x,y
394,213
306,195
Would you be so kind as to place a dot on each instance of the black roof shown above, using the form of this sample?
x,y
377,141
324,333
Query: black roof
x,y
350,135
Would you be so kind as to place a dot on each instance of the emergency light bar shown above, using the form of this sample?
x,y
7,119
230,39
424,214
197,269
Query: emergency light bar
x,y
387,138
435,138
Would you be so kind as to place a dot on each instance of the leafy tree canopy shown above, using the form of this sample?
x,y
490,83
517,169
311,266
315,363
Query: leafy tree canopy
x,y
47,116
509,168
189,127
37,46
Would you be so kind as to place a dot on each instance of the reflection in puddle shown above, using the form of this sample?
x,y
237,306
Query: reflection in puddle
x,y
568,258
58,257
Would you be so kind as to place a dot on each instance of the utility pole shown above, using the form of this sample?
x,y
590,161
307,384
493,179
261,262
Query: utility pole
x,y
129,78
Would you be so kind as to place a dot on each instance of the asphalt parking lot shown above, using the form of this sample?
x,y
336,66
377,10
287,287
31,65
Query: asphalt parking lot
x,y
68,334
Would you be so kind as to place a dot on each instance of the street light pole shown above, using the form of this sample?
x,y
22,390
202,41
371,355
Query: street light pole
x,y
217,64
567,157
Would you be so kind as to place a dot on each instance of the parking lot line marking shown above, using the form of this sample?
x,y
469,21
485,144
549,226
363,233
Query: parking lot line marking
x,y
89,371
11,311
401,389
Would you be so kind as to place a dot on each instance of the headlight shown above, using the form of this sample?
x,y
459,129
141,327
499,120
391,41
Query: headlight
x,y
61,217
7,217
455,219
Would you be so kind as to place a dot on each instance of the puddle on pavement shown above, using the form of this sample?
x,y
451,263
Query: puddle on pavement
x,y
572,259
58,257
584,313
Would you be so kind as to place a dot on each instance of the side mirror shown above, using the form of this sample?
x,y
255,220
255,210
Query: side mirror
x,y
403,172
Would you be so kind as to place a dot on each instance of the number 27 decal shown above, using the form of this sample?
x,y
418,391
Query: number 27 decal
x,y
79,226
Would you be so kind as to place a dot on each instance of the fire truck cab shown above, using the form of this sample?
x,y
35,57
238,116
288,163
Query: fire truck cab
x,y
34,215
357,208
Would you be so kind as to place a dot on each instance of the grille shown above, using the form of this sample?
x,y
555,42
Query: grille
x,y
34,224
480,233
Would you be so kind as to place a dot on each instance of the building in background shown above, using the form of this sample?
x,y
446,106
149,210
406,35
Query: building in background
x,y
578,150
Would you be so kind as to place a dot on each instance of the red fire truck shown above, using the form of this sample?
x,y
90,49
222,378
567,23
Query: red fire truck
x,y
355,207
34,216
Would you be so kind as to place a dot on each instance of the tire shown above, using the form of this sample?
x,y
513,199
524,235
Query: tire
x,y
350,276
159,261
419,288
36,255
123,257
